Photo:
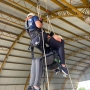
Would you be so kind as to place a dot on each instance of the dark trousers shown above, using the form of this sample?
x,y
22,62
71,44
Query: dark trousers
x,y
33,34
61,53
59,47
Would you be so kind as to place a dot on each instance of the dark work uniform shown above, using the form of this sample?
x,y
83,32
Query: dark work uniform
x,y
59,47
33,30
36,68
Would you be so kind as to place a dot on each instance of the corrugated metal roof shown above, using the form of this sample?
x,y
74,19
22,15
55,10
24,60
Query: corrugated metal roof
x,y
66,22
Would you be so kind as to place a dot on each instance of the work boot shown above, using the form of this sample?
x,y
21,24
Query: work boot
x,y
64,70
29,88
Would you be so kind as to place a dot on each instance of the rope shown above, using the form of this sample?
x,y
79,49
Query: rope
x,y
39,15
48,19
70,78
45,61
49,24
38,9
45,3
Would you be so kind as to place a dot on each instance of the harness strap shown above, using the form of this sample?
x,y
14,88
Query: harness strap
x,y
31,48
34,32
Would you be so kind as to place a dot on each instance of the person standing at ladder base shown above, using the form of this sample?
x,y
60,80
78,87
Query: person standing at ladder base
x,y
56,42
33,26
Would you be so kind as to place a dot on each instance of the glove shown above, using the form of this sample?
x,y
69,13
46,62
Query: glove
x,y
41,20
51,33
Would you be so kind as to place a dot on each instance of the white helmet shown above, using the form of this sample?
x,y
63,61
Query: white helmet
x,y
32,14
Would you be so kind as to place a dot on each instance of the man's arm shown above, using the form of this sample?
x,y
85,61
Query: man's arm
x,y
38,24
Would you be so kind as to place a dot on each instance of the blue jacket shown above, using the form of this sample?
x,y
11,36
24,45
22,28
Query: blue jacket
x,y
31,22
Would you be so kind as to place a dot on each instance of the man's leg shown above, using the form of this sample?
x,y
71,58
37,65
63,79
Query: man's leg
x,y
62,58
38,75
61,53
32,79
32,75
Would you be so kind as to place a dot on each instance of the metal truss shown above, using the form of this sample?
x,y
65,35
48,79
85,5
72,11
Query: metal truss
x,y
75,39
86,3
3,49
16,5
9,19
78,11
5,34
66,13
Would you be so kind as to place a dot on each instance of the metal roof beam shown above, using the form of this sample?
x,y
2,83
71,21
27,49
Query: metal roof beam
x,y
18,63
10,84
17,6
69,9
66,43
84,49
27,80
62,6
13,41
13,25
56,26
77,64
72,7
67,40
82,62
61,29
20,50
13,77
26,77
5,13
8,32
17,56
86,2
15,69
55,1
29,64
75,39
35,5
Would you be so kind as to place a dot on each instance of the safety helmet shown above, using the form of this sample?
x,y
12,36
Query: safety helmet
x,y
32,14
